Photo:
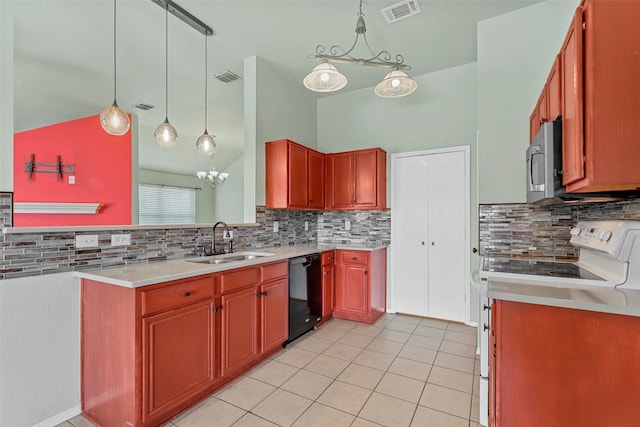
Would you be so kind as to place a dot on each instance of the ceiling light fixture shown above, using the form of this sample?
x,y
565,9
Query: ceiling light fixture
x,y
113,119
212,176
326,78
165,134
205,144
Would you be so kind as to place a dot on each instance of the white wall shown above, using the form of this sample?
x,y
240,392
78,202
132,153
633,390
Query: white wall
x,y
40,358
515,54
228,198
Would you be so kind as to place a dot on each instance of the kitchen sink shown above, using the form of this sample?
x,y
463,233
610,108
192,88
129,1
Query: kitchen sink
x,y
226,258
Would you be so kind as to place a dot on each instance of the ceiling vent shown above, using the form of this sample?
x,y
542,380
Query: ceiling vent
x,y
143,106
399,11
227,76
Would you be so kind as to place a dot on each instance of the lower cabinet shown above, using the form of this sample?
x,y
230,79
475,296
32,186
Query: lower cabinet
x,y
553,366
274,314
328,284
239,336
361,279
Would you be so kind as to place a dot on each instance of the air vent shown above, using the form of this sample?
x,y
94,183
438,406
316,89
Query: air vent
x,y
143,106
227,76
399,11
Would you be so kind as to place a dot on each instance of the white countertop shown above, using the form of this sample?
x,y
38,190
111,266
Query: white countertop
x,y
162,271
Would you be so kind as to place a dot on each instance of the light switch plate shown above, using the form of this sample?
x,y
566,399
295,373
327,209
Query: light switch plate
x,y
275,226
306,226
120,239
347,224
227,235
86,241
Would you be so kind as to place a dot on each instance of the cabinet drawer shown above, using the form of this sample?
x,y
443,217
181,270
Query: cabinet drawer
x,y
328,258
176,295
353,257
238,279
273,271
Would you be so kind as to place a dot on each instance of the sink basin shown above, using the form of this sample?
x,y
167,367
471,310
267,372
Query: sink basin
x,y
226,258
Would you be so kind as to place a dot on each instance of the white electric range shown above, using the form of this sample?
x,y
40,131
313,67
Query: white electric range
x,y
605,278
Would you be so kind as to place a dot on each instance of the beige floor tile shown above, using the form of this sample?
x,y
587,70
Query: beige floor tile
x,y
427,417
342,324
400,387
246,393
307,384
388,411
452,361
410,368
447,400
356,340
427,331
296,357
396,325
458,348
419,354
458,327
384,346
313,343
64,424
282,407
330,334
476,384
456,380
368,330
382,322
434,323
405,318
361,422
362,376
250,420
395,336
343,351
472,424
345,397
80,421
461,337
274,373
322,416
424,342
476,368
374,359
213,412
475,409
327,366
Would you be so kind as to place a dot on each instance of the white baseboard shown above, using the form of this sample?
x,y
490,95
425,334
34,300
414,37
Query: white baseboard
x,y
60,418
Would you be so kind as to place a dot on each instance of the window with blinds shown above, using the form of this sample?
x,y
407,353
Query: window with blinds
x,y
161,204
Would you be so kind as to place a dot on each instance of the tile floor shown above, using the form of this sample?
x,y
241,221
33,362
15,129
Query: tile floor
x,y
402,371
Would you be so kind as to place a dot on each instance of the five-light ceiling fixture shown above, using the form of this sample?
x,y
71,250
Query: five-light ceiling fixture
x,y
325,77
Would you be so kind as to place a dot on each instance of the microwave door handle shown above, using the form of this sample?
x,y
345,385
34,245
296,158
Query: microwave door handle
x,y
532,186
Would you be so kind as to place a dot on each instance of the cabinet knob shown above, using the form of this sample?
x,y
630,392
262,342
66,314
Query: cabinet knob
x,y
485,327
217,308
366,272
186,294
486,307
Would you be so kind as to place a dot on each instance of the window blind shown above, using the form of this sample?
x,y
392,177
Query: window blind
x,y
161,204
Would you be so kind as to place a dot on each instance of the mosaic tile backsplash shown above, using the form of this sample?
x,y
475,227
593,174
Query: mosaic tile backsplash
x,y
528,231
33,254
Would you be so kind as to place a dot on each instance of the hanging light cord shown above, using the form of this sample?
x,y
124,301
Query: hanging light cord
x,y
205,83
166,63
114,51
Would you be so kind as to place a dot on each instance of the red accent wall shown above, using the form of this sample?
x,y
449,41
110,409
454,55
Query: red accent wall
x,y
102,172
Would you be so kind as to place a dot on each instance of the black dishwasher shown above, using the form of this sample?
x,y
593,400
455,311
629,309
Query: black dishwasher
x,y
305,294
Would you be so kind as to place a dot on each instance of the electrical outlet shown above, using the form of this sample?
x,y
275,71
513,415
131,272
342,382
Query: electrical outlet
x,y
227,235
275,226
120,239
347,224
306,226
72,179
87,241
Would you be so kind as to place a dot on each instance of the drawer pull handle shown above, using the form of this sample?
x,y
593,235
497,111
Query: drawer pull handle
x,y
354,258
186,294
217,308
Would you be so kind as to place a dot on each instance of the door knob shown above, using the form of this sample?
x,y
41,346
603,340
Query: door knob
x,y
433,243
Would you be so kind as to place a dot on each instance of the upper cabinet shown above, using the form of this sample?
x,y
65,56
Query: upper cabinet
x,y
357,180
294,176
595,82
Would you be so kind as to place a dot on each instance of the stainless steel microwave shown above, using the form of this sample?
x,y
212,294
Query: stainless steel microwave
x,y
544,164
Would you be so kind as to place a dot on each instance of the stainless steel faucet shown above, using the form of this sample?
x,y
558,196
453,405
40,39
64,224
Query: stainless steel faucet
x,y
213,244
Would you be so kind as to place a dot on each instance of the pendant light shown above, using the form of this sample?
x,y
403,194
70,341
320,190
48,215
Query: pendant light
x,y
113,120
205,144
165,134
396,84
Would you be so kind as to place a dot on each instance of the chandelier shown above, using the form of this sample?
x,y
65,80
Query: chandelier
x,y
212,176
325,77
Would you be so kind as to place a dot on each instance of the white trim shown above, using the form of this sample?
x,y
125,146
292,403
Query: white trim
x,y
60,418
391,291
55,208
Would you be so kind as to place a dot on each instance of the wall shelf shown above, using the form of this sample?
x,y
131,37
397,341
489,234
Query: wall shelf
x,y
55,208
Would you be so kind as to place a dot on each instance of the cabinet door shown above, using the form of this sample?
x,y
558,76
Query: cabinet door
x,y
316,180
239,337
178,357
573,100
274,316
328,285
365,181
539,114
554,91
341,180
298,176
352,295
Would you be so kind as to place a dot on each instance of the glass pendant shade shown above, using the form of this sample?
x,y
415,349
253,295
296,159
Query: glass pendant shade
x,y
205,144
396,84
114,121
165,134
325,78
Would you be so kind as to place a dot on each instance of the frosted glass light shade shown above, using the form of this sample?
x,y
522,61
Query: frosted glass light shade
x,y
165,134
325,78
114,121
396,84
205,144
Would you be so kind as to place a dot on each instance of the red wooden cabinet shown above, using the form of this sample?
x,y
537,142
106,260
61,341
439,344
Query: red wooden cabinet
x,y
328,283
549,105
239,329
564,367
357,180
294,176
274,314
360,288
